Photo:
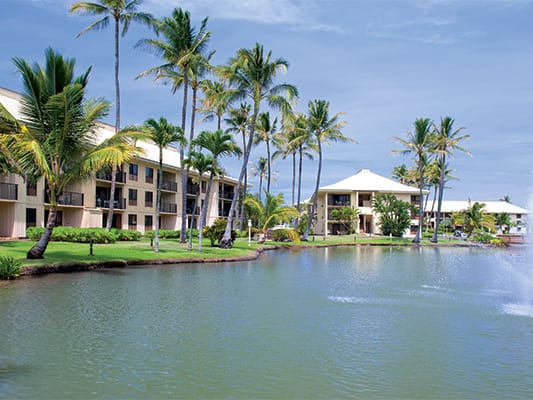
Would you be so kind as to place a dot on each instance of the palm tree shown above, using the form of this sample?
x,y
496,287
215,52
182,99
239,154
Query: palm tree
x,y
506,198
218,144
56,135
251,73
419,143
180,49
261,170
121,12
400,174
239,122
202,163
216,101
447,140
270,212
163,134
475,217
266,129
324,130
503,220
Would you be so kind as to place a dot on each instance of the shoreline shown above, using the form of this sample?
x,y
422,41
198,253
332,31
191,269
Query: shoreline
x,y
255,254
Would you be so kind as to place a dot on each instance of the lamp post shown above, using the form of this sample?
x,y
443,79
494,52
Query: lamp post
x,y
249,232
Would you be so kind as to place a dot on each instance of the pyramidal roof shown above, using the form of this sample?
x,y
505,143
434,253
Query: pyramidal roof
x,y
367,181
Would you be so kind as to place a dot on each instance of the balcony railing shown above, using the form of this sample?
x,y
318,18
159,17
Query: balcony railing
x,y
192,188
170,186
67,199
169,208
225,194
119,204
8,191
120,177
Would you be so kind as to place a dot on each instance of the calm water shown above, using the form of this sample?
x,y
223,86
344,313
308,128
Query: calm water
x,y
353,322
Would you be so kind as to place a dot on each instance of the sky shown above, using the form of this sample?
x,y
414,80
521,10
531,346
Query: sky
x,y
383,63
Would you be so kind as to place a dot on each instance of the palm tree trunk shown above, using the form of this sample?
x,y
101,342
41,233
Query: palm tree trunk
x,y
117,85
111,199
315,195
439,202
260,185
269,165
158,198
299,186
420,203
191,137
189,247
37,251
205,207
226,242
183,236
293,176
245,186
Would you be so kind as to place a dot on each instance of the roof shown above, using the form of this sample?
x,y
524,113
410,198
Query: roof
x,y
491,207
367,181
171,156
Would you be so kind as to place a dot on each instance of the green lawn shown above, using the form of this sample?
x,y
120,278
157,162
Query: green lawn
x,y
63,252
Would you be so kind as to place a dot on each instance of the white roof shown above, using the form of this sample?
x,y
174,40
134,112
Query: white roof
x,y
491,207
171,156
367,181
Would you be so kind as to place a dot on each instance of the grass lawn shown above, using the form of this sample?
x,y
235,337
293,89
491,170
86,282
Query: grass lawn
x,y
65,252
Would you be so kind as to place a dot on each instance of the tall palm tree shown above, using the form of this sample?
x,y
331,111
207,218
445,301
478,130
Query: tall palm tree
x,y
251,73
324,130
419,143
218,144
261,170
400,173
271,211
447,141
179,49
239,122
163,134
202,163
56,135
120,12
266,129
216,101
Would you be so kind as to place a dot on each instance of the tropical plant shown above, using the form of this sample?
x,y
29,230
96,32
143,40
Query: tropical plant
x,y
10,267
270,212
163,134
266,129
285,235
347,217
216,101
394,214
447,141
419,143
215,232
180,49
503,220
218,144
475,218
400,173
324,130
261,170
120,12
251,73
202,163
56,135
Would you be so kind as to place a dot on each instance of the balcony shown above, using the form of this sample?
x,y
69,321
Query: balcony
x,y
120,177
192,188
119,204
169,186
67,199
225,194
8,191
169,208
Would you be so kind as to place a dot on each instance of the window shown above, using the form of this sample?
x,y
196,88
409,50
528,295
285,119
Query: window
x,y
31,217
149,177
148,199
148,222
132,197
132,221
31,188
134,172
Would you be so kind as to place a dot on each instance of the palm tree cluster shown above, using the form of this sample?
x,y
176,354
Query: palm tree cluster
x,y
431,145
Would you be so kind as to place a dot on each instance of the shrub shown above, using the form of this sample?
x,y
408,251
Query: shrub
x,y
34,232
9,267
285,235
126,235
498,242
215,232
483,237
84,235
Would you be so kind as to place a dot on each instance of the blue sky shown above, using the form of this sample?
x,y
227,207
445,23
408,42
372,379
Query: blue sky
x,y
383,63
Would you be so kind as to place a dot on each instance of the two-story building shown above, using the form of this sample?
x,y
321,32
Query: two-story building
x,y
86,204
358,191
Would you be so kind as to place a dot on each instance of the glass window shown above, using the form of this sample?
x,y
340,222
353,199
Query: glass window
x,y
148,199
134,171
149,177
132,221
132,197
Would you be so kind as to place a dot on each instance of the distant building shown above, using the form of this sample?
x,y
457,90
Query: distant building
x,y
358,191
86,204
518,215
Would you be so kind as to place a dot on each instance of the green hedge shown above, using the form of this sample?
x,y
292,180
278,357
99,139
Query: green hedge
x,y
9,267
84,235
285,235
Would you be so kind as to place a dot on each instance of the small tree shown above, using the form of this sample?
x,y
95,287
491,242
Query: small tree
x,y
394,214
347,217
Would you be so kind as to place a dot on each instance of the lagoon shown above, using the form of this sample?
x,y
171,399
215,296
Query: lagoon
x,y
357,322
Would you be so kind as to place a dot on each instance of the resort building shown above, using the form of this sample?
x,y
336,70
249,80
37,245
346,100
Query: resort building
x,y
517,215
358,191
86,204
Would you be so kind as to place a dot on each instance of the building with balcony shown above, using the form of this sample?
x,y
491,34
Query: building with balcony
x,y
358,191
86,204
